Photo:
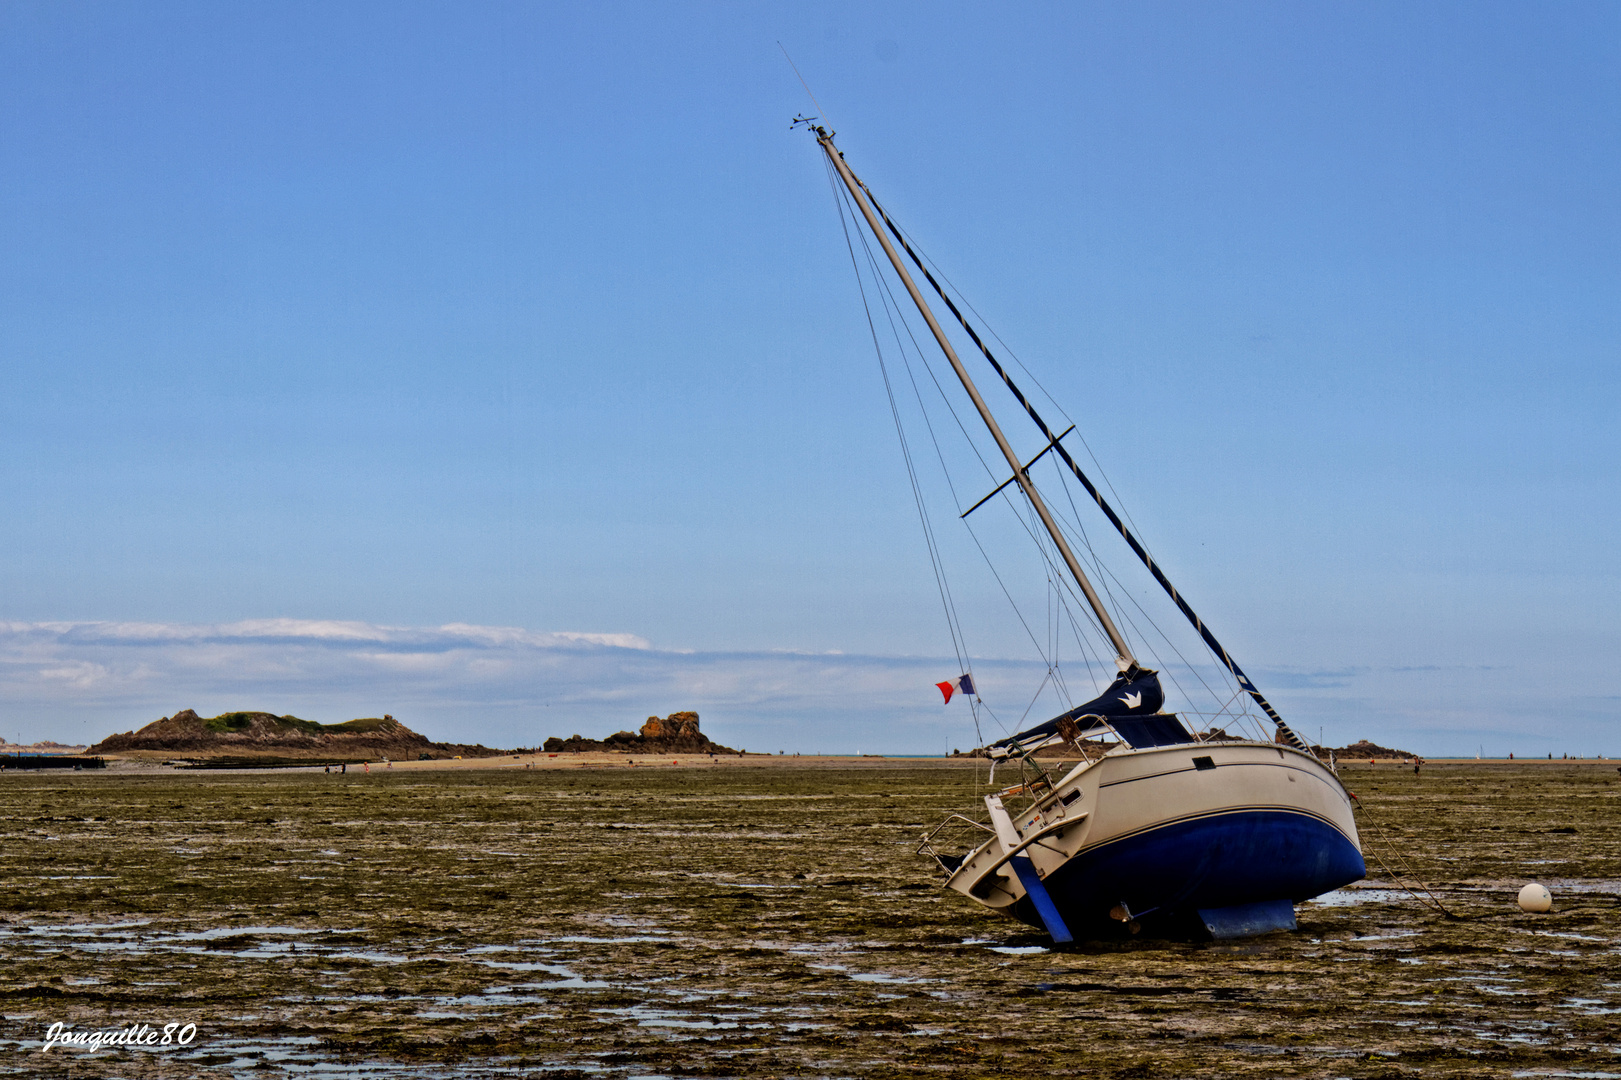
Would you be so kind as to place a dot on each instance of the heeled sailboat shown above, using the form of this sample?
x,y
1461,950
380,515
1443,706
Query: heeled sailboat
x,y
1154,826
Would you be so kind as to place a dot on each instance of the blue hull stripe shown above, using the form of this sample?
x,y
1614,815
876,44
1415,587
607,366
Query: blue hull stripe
x,y
1225,812
1210,861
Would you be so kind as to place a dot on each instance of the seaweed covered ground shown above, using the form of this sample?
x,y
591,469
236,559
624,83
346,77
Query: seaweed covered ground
x,y
769,921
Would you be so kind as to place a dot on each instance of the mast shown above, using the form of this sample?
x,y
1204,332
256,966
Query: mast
x,y
1123,656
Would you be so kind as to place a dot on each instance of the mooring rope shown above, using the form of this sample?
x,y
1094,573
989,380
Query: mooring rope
x,y
1428,896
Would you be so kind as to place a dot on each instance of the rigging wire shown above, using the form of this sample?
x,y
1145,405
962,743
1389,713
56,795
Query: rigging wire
x,y
1054,573
1045,680
891,309
1052,592
1032,528
1061,598
1055,579
906,453
1008,350
1109,574
894,311
1287,733
1105,575
1058,583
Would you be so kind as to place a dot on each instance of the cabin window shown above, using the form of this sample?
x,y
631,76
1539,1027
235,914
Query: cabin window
x,y
1202,763
1070,797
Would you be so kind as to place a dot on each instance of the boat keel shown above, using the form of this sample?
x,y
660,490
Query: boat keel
x,y
1248,920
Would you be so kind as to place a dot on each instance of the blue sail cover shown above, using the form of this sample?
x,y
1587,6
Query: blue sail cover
x,y
1125,697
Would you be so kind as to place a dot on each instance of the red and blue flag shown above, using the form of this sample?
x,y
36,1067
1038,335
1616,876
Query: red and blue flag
x,y
964,683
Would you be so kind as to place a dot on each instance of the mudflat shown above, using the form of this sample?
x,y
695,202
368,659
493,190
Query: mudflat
x,y
603,920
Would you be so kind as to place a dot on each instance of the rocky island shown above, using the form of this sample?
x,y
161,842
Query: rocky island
x,y
674,734
261,735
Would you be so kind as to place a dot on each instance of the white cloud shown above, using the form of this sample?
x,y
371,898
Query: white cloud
x,y
509,686
497,685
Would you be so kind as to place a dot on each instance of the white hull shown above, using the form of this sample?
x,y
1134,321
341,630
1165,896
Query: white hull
x,y
1170,829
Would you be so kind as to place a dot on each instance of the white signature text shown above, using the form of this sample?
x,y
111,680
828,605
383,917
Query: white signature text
x,y
134,1035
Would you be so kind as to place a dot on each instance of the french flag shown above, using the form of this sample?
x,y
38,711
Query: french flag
x,y
965,684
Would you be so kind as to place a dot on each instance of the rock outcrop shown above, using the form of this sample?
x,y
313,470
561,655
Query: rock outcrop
x,y
674,734
1365,749
678,725
258,734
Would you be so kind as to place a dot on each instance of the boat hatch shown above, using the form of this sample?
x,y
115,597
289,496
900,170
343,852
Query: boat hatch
x,y
1202,763
1159,729
1069,797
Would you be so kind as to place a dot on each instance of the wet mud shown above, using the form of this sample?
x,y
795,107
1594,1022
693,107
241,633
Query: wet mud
x,y
762,922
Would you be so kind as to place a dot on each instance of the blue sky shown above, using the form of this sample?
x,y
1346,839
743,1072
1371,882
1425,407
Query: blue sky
x,y
461,327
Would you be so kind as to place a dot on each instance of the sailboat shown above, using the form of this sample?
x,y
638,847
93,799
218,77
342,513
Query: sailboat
x,y
1154,826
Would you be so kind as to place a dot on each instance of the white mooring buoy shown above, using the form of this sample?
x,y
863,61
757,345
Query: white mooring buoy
x,y
1536,897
